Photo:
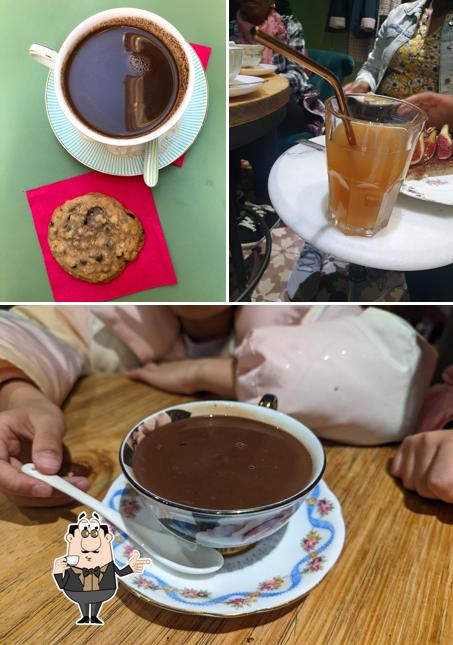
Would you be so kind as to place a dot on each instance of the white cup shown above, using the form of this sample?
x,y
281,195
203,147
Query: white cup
x,y
125,145
72,560
235,61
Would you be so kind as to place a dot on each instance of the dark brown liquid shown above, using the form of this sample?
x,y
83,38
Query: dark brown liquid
x,y
222,462
121,81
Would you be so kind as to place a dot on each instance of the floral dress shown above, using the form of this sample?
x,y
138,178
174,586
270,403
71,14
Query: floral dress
x,y
415,66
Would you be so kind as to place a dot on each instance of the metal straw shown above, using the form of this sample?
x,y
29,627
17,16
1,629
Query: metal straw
x,y
292,54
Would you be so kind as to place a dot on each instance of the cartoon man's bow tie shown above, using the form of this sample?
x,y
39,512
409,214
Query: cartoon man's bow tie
x,y
88,572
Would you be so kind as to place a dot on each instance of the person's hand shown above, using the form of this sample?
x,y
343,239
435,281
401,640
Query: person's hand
x,y
212,374
31,429
179,377
60,565
424,463
438,107
136,564
356,87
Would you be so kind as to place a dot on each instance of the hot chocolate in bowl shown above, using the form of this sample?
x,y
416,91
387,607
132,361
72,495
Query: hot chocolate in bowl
x,y
220,473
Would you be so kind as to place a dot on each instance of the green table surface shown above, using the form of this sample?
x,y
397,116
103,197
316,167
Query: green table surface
x,y
190,200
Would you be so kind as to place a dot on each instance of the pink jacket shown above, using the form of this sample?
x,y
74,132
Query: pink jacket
x,y
350,375
437,410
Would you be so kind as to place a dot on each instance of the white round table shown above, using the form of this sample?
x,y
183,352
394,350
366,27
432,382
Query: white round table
x,y
419,235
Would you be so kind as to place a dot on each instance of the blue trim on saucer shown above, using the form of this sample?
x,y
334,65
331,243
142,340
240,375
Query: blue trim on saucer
x,y
295,576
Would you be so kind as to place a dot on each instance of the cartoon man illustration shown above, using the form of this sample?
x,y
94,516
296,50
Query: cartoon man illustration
x,y
87,573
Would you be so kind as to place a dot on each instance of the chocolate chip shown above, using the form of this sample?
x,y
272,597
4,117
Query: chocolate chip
x,y
94,210
131,215
98,257
83,262
91,215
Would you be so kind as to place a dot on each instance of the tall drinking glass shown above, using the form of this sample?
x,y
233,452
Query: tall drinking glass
x,y
365,175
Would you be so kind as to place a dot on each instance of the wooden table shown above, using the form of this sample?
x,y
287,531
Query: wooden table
x,y
392,584
271,96
252,116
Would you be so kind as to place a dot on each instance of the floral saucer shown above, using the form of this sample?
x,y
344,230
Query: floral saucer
x,y
437,189
273,573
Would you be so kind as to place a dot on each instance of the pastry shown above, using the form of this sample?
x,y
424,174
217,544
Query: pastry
x,y
93,237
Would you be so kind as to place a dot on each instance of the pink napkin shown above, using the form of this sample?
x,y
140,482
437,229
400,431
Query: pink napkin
x,y
204,54
153,266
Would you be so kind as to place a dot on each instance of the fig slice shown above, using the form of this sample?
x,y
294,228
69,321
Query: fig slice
x,y
430,144
419,150
444,148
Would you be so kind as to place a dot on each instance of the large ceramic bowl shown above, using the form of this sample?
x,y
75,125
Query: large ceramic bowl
x,y
223,529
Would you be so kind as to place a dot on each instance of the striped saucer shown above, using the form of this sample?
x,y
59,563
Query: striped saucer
x,y
96,155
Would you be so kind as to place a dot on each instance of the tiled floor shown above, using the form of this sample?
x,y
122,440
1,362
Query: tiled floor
x,y
286,247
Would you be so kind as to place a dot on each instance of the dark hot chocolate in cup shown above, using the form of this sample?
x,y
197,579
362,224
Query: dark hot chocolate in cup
x,y
222,462
126,77
222,474
122,77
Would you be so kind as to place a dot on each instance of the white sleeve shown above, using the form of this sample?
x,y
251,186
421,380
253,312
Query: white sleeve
x,y
48,361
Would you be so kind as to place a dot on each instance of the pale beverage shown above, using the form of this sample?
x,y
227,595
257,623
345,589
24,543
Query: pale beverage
x,y
365,174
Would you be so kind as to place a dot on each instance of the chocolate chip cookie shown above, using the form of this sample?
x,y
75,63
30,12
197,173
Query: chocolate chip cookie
x,y
93,237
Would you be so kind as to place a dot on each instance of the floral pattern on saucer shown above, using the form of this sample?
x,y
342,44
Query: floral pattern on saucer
x,y
274,572
437,189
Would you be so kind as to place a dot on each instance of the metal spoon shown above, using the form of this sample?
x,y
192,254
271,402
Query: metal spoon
x,y
159,543
312,144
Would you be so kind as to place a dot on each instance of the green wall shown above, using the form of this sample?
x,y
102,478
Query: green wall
x,y
314,24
